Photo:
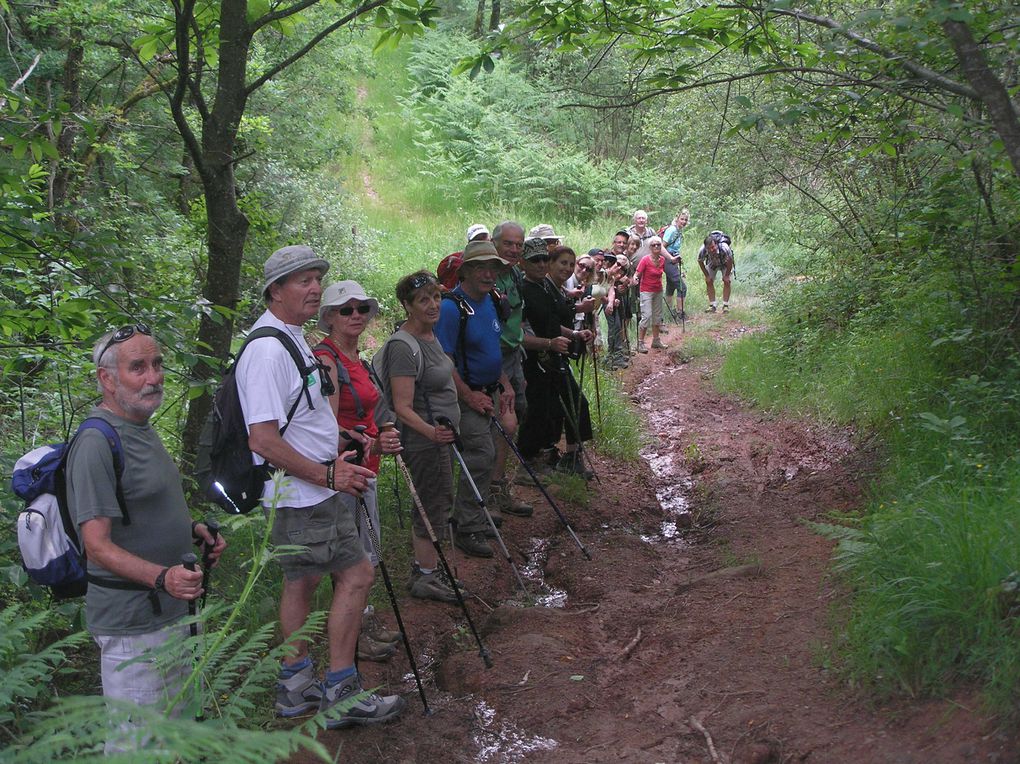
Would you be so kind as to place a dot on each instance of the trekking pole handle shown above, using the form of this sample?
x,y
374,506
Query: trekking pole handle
x,y
445,421
356,445
189,560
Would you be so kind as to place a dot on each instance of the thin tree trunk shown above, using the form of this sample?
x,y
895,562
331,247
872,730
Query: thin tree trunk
x,y
494,16
480,18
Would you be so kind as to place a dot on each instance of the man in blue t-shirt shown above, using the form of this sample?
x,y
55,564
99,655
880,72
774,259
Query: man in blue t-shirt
x,y
469,329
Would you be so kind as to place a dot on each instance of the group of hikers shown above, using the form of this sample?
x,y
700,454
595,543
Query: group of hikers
x,y
479,368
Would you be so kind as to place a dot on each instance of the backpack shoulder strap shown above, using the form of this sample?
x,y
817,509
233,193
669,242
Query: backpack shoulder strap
x,y
113,439
343,377
296,355
412,342
465,310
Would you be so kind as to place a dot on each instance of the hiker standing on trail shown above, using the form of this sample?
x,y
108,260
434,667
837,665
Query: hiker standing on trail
x,y
508,238
138,589
469,329
545,232
714,256
617,315
344,313
643,231
309,511
649,274
419,375
554,400
625,310
673,239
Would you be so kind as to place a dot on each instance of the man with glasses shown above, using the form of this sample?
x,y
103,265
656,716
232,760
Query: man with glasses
x,y
134,528
309,512
508,238
469,330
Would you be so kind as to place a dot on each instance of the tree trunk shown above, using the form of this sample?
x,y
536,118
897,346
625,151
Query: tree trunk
x,y
480,18
989,88
494,16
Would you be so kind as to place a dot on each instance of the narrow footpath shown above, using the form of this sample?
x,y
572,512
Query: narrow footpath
x,y
699,631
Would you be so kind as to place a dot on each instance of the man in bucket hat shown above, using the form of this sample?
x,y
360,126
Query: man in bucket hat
x,y
309,513
469,330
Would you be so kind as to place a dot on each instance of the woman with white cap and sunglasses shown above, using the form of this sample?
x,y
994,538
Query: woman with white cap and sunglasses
x,y
344,314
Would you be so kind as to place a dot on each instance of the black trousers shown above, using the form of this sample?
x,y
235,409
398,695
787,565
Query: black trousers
x,y
555,405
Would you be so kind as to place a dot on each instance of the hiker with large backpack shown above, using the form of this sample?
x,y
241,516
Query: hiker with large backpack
x,y
672,240
291,426
416,376
124,497
716,256
469,329
344,314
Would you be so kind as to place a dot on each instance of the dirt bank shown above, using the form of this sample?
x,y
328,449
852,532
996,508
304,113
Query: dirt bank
x,y
698,631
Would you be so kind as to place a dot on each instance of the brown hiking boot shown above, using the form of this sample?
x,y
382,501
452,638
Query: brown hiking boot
x,y
373,628
504,501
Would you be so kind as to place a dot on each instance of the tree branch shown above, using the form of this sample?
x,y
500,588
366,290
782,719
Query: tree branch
x,y
300,53
183,14
269,18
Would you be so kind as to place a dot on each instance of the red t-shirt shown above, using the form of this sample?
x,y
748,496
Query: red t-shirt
x,y
361,381
650,274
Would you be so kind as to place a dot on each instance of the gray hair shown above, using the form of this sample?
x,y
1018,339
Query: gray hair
x,y
106,354
497,232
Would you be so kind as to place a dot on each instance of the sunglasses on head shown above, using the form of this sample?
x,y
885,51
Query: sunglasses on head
x,y
123,334
348,310
419,281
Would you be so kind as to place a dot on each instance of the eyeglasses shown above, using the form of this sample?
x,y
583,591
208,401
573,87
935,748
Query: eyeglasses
x,y
122,335
348,310
584,268
419,281
655,245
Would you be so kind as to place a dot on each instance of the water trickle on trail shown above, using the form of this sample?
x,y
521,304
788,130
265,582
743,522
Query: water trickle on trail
x,y
673,481
533,572
502,740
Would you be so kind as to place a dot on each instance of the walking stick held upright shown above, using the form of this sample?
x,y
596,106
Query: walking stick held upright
x,y
207,550
373,536
188,560
456,446
483,651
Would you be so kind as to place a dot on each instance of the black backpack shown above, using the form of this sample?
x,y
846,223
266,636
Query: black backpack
x,y
224,469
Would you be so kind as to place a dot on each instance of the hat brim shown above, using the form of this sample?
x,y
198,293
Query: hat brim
x,y
317,264
483,258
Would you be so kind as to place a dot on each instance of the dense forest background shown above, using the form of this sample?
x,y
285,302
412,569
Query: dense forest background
x,y
866,161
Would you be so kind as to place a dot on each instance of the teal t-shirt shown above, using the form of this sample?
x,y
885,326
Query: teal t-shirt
x,y
160,529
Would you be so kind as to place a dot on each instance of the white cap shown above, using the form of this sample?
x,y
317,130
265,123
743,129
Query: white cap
x,y
475,230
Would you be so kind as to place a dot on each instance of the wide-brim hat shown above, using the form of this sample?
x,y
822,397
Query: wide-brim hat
x,y
288,260
477,251
543,231
339,294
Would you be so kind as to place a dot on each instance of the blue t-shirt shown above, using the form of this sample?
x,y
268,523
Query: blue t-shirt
x,y
481,341
673,238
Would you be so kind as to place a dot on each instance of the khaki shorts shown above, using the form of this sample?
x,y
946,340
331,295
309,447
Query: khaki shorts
x,y
328,532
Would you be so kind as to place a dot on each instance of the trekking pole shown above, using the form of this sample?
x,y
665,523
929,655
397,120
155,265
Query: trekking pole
x,y
572,411
207,549
373,537
683,314
538,484
483,651
598,393
456,446
188,560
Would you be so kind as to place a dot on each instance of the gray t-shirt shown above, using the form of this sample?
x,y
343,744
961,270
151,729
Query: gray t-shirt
x,y
160,529
436,382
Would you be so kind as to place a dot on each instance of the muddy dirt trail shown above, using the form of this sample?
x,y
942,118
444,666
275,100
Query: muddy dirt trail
x,y
697,633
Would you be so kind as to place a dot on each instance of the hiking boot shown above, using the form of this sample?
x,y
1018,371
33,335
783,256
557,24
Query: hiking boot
x,y
538,466
710,309
657,344
375,629
504,501
662,330
431,586
371,650
725,308
573,464
297,691
361,707
473,544
641,348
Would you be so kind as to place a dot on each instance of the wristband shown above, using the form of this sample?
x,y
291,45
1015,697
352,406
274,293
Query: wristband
x,y
330,469
160,583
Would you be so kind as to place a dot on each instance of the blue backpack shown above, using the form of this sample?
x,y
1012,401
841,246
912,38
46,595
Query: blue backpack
x,y
50,551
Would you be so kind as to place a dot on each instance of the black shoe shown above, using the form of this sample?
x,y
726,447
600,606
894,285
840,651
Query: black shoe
x,y
572,463
473,544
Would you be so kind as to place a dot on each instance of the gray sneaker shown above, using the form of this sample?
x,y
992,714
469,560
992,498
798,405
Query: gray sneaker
x,y
298,693
360,707
432,586
473,544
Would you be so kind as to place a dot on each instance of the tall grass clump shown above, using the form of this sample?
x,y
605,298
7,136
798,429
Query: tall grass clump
x,y
618,430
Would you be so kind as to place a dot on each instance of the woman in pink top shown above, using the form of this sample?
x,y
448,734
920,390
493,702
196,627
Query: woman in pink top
x,y
649,275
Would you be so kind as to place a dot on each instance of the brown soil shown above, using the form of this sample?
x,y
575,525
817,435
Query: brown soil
x,y
698,633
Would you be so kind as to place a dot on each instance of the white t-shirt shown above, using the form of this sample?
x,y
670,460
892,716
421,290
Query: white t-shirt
x,y
267,385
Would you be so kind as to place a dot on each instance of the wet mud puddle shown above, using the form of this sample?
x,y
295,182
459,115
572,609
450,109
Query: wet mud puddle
x,y
673,482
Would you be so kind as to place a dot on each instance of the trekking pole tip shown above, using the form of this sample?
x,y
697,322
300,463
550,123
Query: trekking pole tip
x,y
486,658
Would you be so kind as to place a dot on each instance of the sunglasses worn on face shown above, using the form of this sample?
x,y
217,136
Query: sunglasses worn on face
x,y
123,335
348,310
584,268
